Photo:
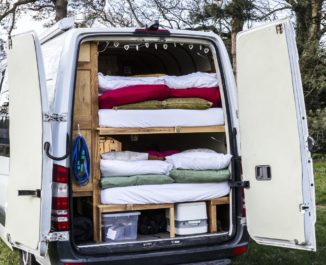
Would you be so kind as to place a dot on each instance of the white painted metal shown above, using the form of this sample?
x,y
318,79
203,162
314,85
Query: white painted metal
x,y
28,218
274,132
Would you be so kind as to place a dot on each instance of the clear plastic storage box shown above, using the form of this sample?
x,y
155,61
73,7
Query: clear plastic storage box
x,y
119,226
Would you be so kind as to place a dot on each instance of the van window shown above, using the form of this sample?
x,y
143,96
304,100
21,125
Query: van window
x,y
4,115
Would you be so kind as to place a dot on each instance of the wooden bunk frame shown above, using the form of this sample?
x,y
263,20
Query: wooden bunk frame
x,y
85,120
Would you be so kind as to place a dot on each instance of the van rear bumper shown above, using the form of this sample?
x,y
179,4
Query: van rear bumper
x,y
63,253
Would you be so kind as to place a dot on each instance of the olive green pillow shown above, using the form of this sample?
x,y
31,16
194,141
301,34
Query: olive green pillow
x,y
170,103
186,103
150,104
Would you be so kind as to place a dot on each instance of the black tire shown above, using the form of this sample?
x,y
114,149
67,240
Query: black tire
x,y
26,258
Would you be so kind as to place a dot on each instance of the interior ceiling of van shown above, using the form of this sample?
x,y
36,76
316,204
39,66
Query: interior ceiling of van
x,y
124,58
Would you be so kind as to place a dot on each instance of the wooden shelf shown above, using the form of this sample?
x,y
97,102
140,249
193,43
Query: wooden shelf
x,y
161,130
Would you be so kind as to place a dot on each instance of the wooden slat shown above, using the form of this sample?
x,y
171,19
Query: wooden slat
x,y
212,218
84,52
212,212
82,105
132,207
161,130
172,223
220,201
82,194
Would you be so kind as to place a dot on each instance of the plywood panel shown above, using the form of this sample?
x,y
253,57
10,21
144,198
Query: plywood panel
x,y
82,107
84,53
87,134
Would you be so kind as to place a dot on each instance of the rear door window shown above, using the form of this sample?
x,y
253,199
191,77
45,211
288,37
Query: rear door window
x,y
4,114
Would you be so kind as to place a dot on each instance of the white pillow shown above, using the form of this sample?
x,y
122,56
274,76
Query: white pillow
x,y
199,159
198,79
117,168
125,156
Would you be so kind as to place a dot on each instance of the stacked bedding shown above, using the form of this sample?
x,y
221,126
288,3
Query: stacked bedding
x,y
160,101
198,174
119,169
199,166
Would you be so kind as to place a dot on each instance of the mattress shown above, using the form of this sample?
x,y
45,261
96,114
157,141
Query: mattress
x,y
160,118
165,193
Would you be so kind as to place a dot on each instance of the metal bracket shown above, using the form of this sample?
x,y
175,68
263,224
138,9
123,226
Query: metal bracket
x,y
9,43
239,184
279,28
58,117
47,146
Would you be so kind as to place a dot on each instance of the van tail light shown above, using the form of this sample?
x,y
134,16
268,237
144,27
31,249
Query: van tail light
x,y
60,199
240,250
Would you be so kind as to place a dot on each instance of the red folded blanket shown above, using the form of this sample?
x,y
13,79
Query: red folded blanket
x,y
161,154
211,94
132,94
140,93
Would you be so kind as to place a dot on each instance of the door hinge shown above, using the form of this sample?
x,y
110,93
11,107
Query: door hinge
x,y
58,117
9,43
239,184
303,207
279,28
9,240
56,236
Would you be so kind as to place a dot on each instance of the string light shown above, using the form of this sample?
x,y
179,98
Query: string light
x,y
191,46
146,44
126,47
165,46
116,44
206,50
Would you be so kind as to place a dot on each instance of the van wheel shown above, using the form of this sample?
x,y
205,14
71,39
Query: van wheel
x,y
26,258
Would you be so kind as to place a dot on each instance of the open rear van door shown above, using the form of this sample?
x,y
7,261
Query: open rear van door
x,y
276,161
28,217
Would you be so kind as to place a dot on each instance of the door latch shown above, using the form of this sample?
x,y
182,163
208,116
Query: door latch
x,y
263,172
239,184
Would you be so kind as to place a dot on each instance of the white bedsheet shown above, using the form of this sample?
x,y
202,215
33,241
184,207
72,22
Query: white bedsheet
x,y
166,193
198,79
117,168
160,118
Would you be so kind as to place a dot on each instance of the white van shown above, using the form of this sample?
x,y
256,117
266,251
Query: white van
x,y
53,96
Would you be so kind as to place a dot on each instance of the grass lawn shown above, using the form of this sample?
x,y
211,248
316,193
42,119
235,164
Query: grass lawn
x,y
258,254
261,254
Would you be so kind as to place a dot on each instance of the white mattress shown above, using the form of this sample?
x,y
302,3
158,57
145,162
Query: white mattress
x,y
197,79
160,118
165,193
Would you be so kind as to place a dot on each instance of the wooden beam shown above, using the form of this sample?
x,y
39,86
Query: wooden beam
x,y
212,212
161,130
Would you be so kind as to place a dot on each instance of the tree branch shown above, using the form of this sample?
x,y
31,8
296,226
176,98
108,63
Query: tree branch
x,y
14,7
134,14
